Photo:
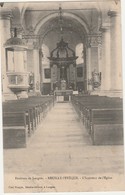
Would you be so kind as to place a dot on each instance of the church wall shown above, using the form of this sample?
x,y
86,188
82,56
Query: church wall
x,y
79,72
31,19
94,58
46,88
80,77
46,72
45,65
80,67
30,62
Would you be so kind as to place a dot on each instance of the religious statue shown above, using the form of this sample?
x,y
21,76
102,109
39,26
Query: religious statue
x,y
95,81
63,85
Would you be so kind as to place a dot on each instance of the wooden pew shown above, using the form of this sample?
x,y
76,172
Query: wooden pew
x,y
106,106
107,126
23,115
36,109
15,107
15,132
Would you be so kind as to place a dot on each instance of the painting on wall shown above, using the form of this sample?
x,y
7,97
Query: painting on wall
x,y
47,73
79,72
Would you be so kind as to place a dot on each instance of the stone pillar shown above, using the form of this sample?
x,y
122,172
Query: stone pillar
x,y
88,66
51,77
74,69
25,60
36,71
85,70
116,59
58,75
67,72
69,75
41,70
5,34
105,66
99,53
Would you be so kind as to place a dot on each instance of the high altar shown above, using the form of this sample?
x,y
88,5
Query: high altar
x,y
62,59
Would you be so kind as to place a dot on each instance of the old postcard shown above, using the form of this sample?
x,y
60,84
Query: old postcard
x,y
62,96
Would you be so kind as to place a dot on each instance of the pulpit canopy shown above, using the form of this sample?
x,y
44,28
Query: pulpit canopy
x,y
15,43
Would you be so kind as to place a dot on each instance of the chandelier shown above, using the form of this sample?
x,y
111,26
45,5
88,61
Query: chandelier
x,y
62,55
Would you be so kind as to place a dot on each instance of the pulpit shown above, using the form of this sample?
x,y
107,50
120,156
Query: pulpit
x,y
16,56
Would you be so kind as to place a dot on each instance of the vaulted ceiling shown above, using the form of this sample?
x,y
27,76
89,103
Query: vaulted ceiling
x,y
42,19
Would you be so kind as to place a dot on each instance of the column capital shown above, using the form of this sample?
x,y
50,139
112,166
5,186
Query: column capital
x,y
113,13
32,44
5,15
19,29
93,40
36,45
105,27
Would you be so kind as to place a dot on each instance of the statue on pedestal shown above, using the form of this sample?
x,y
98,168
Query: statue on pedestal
x,y
63,84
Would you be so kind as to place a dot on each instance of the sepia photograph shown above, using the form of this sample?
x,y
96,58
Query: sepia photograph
x,y
62,96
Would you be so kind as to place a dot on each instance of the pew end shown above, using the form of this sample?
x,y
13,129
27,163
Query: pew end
x,y
14,137
15,132
107,134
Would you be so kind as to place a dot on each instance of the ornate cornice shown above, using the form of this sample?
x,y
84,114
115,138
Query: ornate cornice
x,y
19,29
112,13
104,28
31,36
5,15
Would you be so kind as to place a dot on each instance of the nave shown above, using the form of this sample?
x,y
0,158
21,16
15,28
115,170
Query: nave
x,y
62,146
53,52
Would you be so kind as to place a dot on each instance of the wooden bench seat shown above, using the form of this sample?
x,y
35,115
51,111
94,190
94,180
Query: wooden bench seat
x,y
102,117
21,117
107,126
15,133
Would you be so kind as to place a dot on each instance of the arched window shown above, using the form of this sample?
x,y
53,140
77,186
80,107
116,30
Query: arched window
x,y
79,53
46,72
45,55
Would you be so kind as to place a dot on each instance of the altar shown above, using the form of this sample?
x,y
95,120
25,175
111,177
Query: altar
x,y
63,67
63,71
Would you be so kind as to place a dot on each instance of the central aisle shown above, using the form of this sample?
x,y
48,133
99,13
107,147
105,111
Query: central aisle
x,y
61,137
61,126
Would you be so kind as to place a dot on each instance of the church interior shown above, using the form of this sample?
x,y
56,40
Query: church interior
x,y
62,88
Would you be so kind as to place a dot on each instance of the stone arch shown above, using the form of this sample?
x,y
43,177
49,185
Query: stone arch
x,y
50,16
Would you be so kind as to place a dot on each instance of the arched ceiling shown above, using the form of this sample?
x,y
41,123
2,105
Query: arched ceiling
x,y
42,18
81,20
81,8
68,25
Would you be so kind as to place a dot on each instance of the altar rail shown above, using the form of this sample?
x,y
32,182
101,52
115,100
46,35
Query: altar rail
x,y
63,95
